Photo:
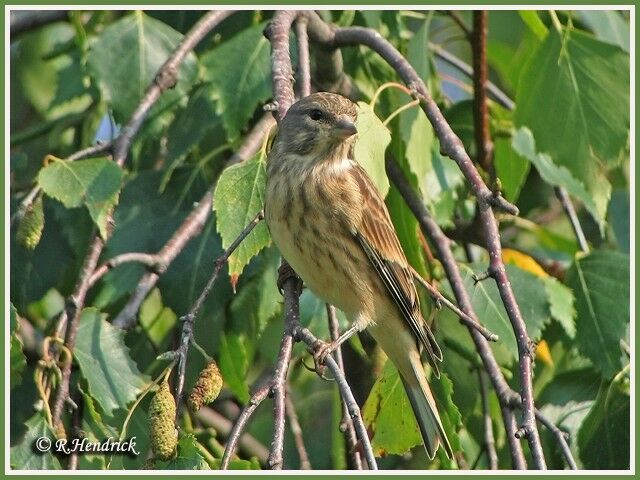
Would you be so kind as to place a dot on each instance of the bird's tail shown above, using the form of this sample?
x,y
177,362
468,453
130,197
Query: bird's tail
x,y
424,406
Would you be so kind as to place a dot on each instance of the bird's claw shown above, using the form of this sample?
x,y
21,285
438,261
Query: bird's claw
x,y
285,272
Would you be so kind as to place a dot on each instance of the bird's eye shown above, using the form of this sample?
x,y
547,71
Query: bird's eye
x,y
315,114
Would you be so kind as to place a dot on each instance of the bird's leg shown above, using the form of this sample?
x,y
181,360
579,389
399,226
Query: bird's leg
x,y
325,349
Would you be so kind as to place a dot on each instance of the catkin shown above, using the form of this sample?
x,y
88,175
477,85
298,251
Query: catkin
x,y
162,414
31,225
207,387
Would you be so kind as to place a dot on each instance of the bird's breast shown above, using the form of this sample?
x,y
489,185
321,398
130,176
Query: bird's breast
x,y
308,218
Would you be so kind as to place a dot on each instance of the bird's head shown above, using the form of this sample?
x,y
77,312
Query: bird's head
x,y
318,125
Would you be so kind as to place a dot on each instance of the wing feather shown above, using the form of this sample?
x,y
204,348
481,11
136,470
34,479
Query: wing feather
x,y
378,239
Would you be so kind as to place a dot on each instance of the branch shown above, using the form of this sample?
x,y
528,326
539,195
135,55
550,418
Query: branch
x,y
484,144
304,65
346,425
241,422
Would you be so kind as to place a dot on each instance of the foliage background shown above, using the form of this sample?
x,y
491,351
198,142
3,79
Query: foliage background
x,y
76,82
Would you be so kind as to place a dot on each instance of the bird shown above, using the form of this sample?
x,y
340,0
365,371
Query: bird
x,y
333,228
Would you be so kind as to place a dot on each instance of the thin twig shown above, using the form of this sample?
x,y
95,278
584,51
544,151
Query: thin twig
x,y
291,311
346,425
458,20
188,320
148,259
489,441
466,319
296,430
498,95
570,210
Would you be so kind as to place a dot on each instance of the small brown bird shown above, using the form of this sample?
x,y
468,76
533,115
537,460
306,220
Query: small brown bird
x,y
333,228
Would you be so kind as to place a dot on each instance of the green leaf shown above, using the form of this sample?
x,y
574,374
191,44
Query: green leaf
x,y
17,361
550,171
511,168
93,182
240,71
190,126
604,438
24,456
112,376
532,20
600,282
373,139
258,299
238,198
234,364
530,294
388,414
187,458
561,304
156,319
574,97
608,25
126,56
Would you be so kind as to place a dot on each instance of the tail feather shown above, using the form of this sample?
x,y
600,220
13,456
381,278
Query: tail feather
x,y
424,409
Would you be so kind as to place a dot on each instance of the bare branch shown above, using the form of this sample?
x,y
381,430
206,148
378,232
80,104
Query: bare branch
x,y
458,21
570,210
304,65
296,430
484,144
188,320
466,319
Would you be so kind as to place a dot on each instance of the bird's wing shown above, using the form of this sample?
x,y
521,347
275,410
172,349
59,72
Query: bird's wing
x,y
378,239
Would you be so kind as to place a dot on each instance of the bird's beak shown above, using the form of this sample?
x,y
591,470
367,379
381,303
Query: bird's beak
x,y
344,128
